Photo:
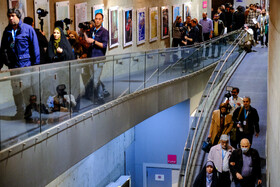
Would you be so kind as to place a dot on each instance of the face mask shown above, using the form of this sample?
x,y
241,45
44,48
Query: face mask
x,y
263,14
72,41
244,150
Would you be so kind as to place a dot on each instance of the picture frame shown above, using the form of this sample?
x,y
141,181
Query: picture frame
x,y
141,26
127,27
113,26
19,4
177,11
62,10
164,22
97,9
80,14
153,24
187,11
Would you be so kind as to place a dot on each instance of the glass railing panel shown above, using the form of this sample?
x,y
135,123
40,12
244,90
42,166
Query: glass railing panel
x,y
121,75
166,64
55,89
19,106
137,72
152,69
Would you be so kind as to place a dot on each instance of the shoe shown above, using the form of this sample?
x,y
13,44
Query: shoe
x,y
257,42
106,93
212,56
99,101
262,46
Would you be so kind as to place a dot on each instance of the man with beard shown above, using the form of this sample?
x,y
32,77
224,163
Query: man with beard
x,y
20,48
219,155
218,26
246,119
221,124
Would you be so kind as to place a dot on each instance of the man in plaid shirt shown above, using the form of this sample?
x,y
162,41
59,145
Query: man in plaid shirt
x,y
253,14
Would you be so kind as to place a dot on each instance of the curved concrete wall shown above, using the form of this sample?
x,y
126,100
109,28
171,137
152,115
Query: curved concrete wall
x,y
40,159
273,118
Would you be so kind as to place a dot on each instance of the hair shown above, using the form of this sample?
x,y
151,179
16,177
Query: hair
x,y
99,14
12,11
235,88
247,98
59,24
194,20
28,20
223,105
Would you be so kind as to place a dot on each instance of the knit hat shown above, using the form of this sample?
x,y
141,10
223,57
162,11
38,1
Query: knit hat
x,y
209,163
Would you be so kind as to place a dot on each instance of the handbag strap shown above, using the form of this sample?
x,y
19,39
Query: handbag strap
x,y
239,113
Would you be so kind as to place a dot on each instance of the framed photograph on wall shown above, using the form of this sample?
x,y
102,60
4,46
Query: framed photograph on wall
x,y
97,9
177,11
187,11
62,10
80,14
141,29
164,22
113,26
153,23
127,27
19,4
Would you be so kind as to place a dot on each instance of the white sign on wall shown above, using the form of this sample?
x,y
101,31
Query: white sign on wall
x,y
159,177
80,14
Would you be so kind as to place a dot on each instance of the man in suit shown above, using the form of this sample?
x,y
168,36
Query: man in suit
x,y
219,155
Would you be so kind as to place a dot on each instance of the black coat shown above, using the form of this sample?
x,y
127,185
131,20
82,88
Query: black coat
x,y
237,158
200,180
238,20
252,121
67,53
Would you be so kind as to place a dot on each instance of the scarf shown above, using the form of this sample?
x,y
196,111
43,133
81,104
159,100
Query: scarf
x,y
56,42
209,179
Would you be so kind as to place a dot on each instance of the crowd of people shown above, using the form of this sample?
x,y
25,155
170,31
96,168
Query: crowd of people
x,y
24,46
225,19
236,121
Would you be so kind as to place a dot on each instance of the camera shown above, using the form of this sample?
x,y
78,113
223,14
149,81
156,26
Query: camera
x,y
84,25
67,21
41,13
228,94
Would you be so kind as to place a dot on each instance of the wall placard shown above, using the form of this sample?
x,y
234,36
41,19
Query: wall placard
x,y
187,11
80,14
127,27
153,23
164,22
97,9
62,10
19,4
113,26
141,22
177,11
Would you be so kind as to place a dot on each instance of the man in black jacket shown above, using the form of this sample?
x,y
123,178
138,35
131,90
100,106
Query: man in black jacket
x,y
218,27
245,165
246,120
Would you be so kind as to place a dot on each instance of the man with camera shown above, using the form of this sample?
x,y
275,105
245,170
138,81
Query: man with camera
x,y
233,100
19,48
98,38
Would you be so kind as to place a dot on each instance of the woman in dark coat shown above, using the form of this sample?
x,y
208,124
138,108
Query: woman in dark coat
x,y
59,48
207,177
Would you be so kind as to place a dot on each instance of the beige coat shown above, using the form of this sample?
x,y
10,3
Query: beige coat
x,y
215,127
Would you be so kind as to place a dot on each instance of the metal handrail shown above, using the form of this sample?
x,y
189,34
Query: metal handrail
x,y
184,171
